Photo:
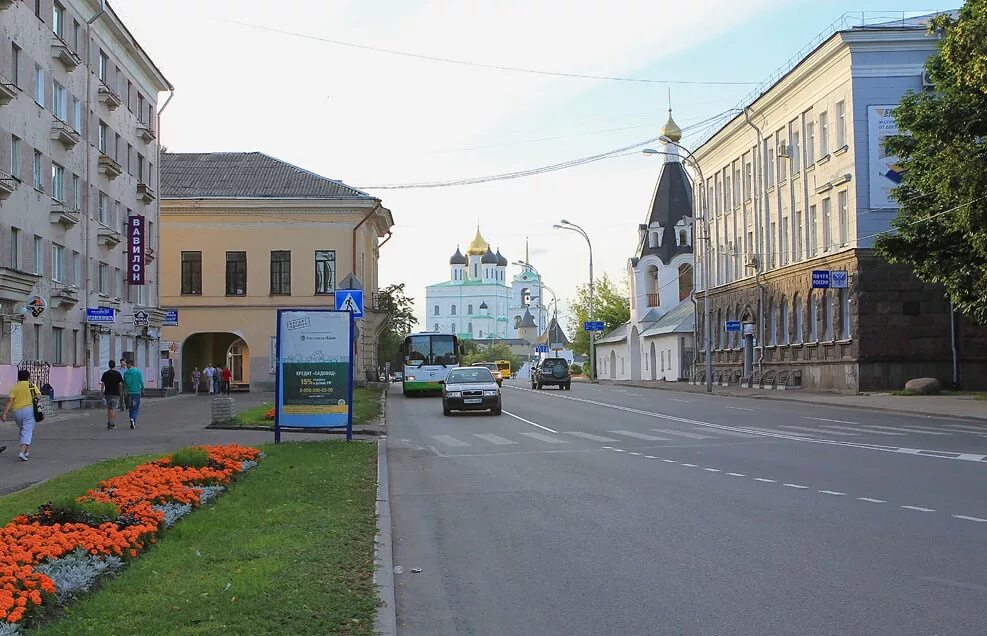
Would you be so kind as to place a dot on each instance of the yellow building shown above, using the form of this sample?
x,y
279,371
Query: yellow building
x,y
243,234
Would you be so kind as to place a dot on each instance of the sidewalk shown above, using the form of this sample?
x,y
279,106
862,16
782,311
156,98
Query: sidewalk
x,y
956,406
77,438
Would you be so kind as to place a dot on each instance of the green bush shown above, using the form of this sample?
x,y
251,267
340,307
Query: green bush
x,y
576,369
69,510
190,457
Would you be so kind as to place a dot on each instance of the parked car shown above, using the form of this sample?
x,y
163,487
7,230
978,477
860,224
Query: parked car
x,y
494,370
552,372
471,389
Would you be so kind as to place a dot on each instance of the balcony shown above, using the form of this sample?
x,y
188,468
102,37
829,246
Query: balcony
x,y
61,52
62,215
63,134
146,133
7,185
66,296
108,97
145,192
110,167
108,237
15,285
8,92
654,300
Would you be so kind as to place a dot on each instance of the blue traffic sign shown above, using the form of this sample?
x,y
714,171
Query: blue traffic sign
x,y
593,325
171,318
541,348
101,315
732,325
821,279
350,300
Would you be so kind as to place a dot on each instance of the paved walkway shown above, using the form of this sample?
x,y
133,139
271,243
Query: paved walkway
x,y
961,406
73,439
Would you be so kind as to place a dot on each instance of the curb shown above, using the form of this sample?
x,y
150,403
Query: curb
x,y
787,398
385,621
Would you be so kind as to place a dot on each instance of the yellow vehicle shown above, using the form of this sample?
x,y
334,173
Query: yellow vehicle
x,y
505,368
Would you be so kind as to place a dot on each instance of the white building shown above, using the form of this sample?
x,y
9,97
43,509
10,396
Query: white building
x,y
657,342
78,155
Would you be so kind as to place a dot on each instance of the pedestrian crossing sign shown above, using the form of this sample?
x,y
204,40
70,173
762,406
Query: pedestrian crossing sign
x,y
350,300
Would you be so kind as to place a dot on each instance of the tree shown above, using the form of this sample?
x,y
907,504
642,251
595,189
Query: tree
x,y
491,353
400,321
612,305
942,222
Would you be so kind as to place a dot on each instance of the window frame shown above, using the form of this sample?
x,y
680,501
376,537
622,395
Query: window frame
x,y
823,134
15,157
280,273
39,85
236,273
57,263
841,139
58,345
843,213
325,257
59,101
36,172
39,248
57,182
191,273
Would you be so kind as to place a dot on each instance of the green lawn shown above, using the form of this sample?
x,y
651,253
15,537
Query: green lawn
x,y
366,407
288,550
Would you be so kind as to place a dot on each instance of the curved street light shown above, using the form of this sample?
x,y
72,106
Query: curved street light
x,y
572,227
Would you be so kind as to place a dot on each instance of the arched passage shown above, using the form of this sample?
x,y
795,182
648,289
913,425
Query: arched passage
x,y
634,344
613,365
654,361
218,349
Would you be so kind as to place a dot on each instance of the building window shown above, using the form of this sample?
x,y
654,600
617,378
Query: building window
x,y
810,143
76,270
57,263
15,64
15,248
38,255
15,156
797,238
469,310
192,273
772,323
827,315
140,108
59,101
844,218
76,32
103,279
784,321
57,18
37,171
823,134
56,343
453,311
796,149
76,193
104,209
469,328
452,328
827,223
281,273
325,271
236,273
813,229
813,319
685,281
436,312
104,62
799,318
76,115
435,327
101,138
39,85
769,163
140,168
844,298
57,182
840,124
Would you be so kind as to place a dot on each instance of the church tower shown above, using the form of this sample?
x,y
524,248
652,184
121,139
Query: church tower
x,y
457,268
478,247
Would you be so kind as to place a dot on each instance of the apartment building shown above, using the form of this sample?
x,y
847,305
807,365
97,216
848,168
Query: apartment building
x,y
78,156
799,182
244,234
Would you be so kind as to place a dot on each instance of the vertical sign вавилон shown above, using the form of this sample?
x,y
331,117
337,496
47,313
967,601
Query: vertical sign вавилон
x,y
135,250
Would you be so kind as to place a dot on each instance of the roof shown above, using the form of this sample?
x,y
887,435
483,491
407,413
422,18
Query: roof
x,y
457,258
670,203
619,334
245,175
553,334
489,258
681,319
527,320
501,259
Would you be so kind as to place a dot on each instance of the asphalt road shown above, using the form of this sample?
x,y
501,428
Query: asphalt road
x,y
609,510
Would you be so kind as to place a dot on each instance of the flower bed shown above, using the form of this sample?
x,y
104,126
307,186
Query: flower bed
x,y
47,557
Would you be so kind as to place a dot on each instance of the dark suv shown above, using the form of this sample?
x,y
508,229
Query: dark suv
x,y
552,371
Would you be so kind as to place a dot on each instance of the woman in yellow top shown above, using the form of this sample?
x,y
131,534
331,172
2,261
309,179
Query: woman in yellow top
x,y
21,402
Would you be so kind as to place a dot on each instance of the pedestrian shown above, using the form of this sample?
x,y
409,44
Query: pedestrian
x,y
227,375
123,396
133,381
21,402
209,372
112,385
217,379
196,379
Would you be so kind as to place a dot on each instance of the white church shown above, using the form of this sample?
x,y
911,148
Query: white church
x,y
477,302
658,341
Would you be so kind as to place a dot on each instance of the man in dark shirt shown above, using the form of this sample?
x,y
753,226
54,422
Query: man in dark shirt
x,y
111,384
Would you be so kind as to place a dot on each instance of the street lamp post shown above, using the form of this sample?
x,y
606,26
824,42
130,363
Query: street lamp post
x,y
572,227
707,308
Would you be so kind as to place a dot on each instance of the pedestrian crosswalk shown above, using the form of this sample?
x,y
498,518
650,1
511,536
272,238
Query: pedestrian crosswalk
x,y
691,434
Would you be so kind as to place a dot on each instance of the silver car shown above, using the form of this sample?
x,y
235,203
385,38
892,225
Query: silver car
x,y
471,389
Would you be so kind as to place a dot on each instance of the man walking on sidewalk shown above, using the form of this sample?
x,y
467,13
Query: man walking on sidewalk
x,y
123,396
112,385
209,372
133,381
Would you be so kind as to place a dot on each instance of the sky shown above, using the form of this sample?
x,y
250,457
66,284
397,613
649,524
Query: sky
x,y
255,75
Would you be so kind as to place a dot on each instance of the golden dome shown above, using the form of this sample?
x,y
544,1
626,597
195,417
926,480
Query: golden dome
x,y
478,247
671,129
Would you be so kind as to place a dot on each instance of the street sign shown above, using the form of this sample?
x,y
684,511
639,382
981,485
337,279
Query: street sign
x,y
350,300
101,315
839,279
748,329
593,325
541,348
732,325
141,319
171,318
821,279
37,306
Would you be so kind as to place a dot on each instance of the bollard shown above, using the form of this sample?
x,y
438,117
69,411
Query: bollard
x,y
222,409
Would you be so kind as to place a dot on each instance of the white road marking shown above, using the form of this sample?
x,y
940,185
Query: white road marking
x,y
966,518
737,408
690,465
518,417
908,430
590,436
975,429
832,492
737,474
862,430
619,450
650,438
796,486
494,439
871,500
449,440
823,419
638,454
669,461
721,431
678,400
773,431
651,457
682,433
545,438
634,395
765,480
960,584
925,429
712,470
918,508
816,430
